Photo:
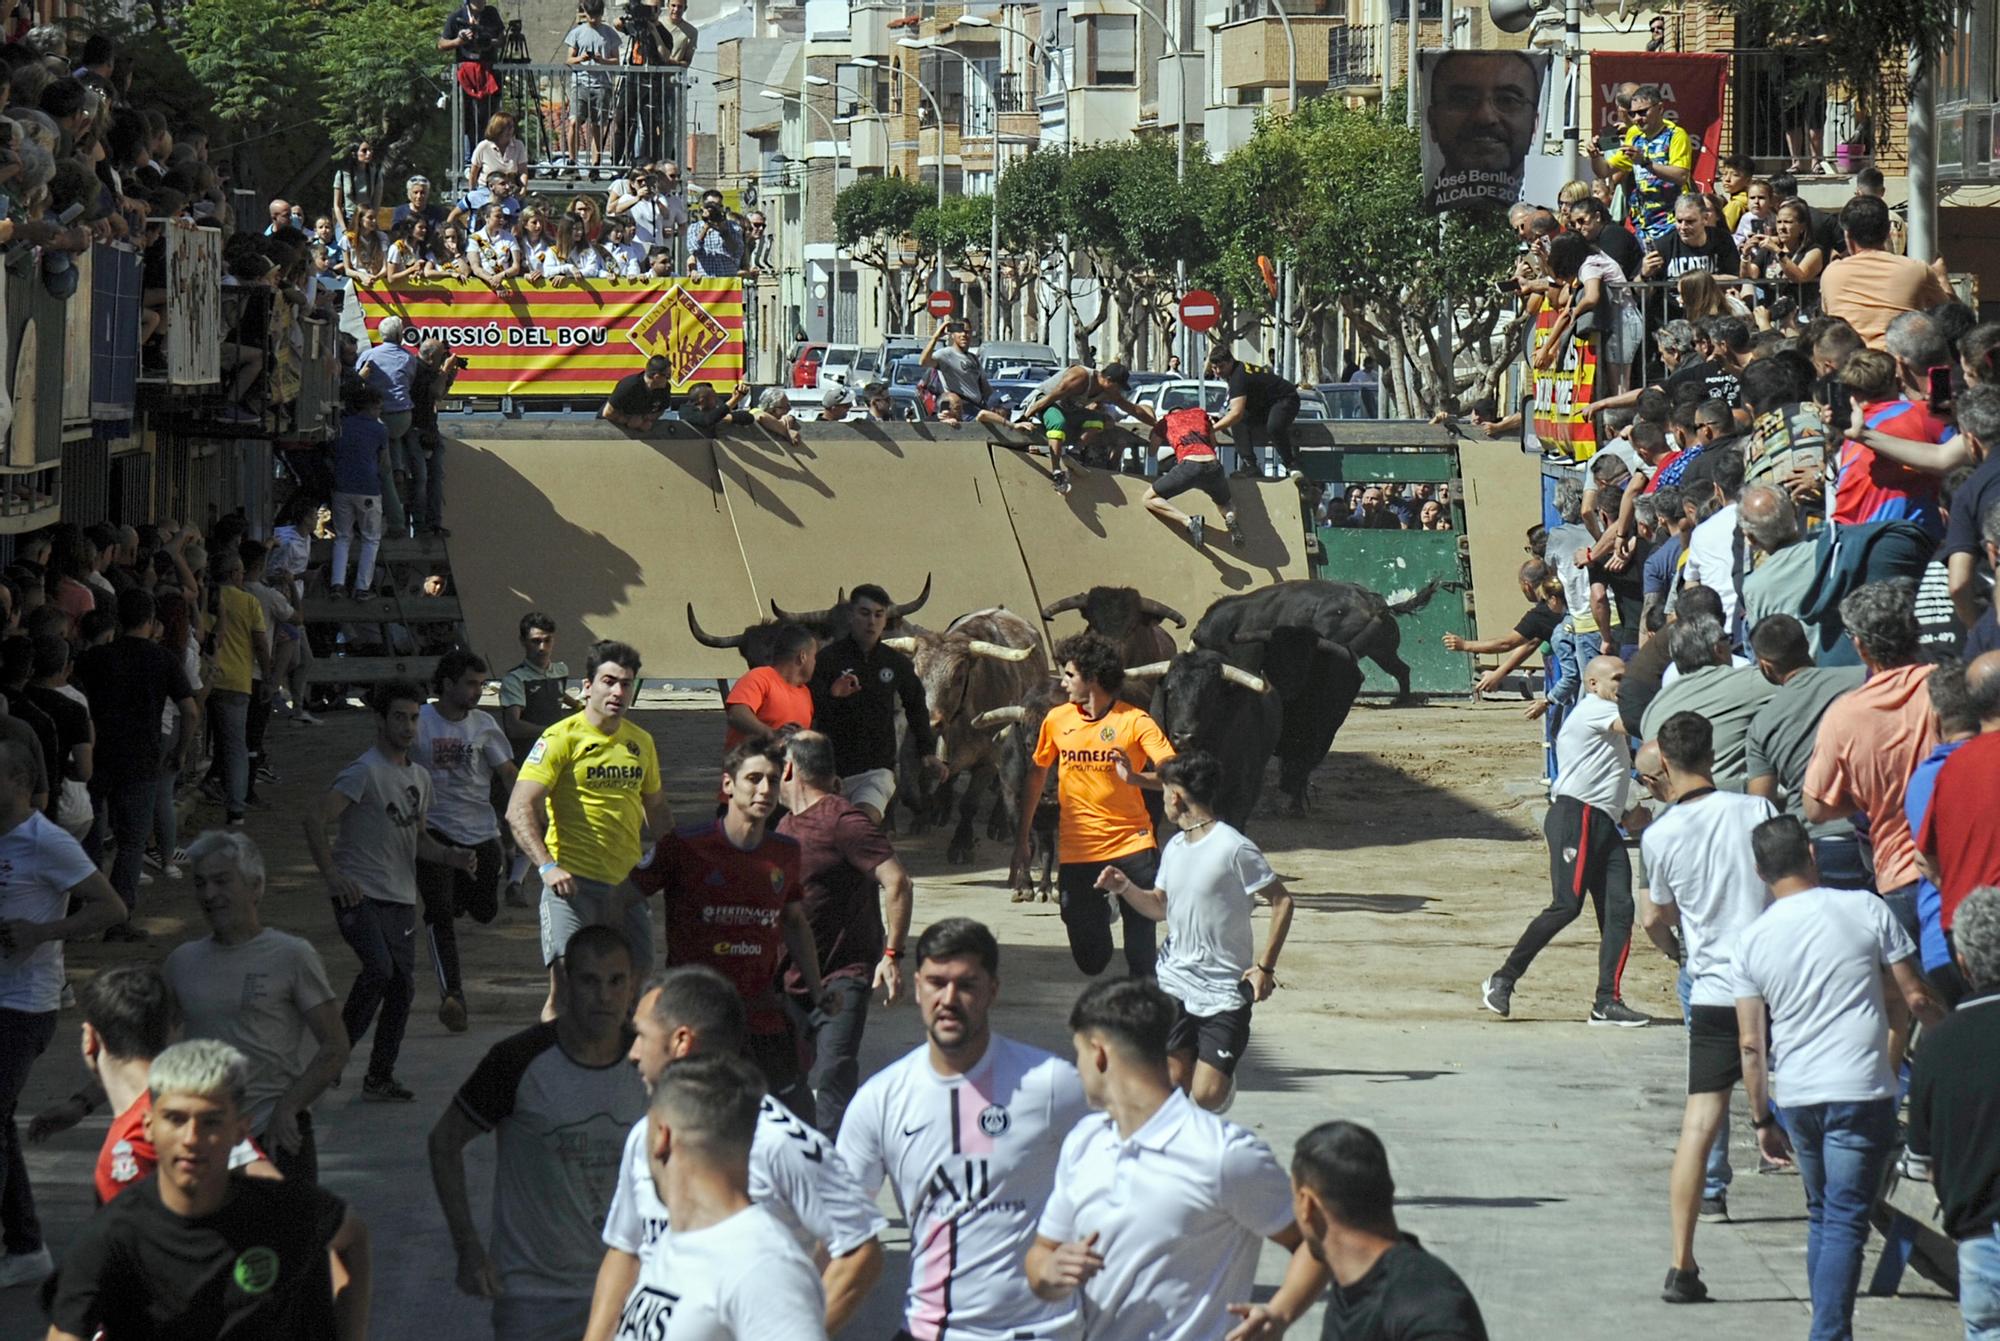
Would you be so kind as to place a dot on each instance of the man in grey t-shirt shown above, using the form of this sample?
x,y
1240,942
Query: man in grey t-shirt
x,y
967,394
1780,743
378,803
590,45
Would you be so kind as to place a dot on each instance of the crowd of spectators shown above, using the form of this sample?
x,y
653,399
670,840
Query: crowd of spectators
x,y
1388,507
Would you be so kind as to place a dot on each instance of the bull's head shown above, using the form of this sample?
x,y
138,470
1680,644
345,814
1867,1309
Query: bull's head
x,y
756,644
944,664
832,622
1192,695
1114,612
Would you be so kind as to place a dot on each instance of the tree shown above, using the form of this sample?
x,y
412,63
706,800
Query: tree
x,y
1846,41
1338,192
875,218
1132,220
1031,234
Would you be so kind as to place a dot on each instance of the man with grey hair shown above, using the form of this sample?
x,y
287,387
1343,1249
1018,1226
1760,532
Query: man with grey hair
x,y
1782,583
1711,684
390,367
263,991
1954,1111
202,1251
1872,739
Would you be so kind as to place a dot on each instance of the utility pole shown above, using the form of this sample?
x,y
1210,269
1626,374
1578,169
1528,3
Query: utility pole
x,y
1923,231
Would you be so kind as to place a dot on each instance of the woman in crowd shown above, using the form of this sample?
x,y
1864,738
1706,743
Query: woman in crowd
x,y
177,637
1701,298
1788,255
584,209
410,252
367,249
501,150
1595,302
1433,517
452,260
496,253
536,239
560,261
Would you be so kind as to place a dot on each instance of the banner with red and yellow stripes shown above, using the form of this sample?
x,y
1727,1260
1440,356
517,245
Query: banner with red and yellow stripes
x,y
574,339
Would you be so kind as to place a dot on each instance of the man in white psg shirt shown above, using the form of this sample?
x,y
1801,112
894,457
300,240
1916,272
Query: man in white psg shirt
x,y
727,1270
794,1172
967,1130
1160,1207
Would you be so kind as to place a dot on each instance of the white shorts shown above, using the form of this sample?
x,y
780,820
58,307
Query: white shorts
x,y
873,789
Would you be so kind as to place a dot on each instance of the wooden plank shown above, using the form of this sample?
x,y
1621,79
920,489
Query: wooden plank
x,y
370,670
383,610
1502,497
395,549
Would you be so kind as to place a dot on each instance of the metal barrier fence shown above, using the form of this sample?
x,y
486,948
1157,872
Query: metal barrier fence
x,y
567,116
1783,113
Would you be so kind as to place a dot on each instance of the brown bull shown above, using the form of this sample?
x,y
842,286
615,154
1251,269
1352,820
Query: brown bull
x,y
1128,619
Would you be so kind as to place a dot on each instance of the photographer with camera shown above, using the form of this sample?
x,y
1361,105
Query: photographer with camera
x,y
715,240
474,34
657,216
591,43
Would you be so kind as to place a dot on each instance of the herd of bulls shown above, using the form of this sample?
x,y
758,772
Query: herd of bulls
x,y
1269,672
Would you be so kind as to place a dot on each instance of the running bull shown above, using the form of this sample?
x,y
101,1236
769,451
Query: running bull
x,y
1202,702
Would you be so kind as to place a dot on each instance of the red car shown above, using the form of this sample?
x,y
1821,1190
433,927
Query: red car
x,y
805,364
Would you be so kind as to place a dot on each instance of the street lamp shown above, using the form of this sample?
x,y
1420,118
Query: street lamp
x,y
805,179
870,63
993,243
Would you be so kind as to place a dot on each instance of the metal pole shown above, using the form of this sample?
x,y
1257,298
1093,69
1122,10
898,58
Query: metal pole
x,y
1288,342
1385,50
1410,75
1923,221
1573,60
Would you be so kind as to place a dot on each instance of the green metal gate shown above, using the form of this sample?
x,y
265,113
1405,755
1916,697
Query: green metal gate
x,y
1398,563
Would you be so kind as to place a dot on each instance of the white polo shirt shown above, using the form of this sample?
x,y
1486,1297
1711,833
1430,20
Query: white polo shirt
x,y
1180,1211
1698,856
1711,560
739,1280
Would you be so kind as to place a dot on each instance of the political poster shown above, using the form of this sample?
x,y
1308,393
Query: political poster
x,y
1482,117
1691,90
573,340
1559,407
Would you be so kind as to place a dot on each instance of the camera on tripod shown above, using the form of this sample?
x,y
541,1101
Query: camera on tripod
x,y
641,25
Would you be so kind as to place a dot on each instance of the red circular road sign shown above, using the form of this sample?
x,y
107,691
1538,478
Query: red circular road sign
x,y
1200,310
940,302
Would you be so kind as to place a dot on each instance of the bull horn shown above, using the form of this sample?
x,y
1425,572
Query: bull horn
x,y
1151,670
707,639
902,643
1236,675
979,647
904,609
1159,610
992,717
807,617
1252,636
943,749
1066,603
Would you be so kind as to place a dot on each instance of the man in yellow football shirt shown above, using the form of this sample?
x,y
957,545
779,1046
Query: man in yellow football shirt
x,y
599,776
1107,750
1660,156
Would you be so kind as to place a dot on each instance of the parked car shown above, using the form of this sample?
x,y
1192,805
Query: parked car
x,y
906,377
836,365
894,347
1003,358
1351,400
805,364
1013,383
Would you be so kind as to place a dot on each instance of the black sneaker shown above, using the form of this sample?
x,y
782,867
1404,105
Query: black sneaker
x,y
1236,536
1197,531
1497,995
1684,1287
1616,1013
1714,1210
1060,479
385,1090
266,773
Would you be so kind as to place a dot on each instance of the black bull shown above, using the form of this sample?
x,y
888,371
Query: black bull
x,y
1202,702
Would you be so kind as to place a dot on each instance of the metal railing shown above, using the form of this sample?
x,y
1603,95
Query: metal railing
x,y
1353,56
566,115
1783,113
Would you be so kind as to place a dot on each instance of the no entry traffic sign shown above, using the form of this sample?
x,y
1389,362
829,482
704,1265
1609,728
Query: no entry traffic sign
x,y
1200,310
940,302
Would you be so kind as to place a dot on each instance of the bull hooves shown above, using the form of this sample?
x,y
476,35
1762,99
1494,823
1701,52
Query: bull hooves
x,y
1024,896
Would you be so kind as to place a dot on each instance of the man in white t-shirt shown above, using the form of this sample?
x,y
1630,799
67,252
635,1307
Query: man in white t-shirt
x,y
1586,850
1812,966
1160,1209
1716,557
1210,876
464,750
794,1172
727,1270
1702,878
41,869
967,1129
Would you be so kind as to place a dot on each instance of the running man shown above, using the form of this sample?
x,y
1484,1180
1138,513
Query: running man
x,y
1265,405
599,778
967,1129
727,1270
178,1256
1070,404
463,750
1160,1209
1210,876
380,803
1104,746
559,1102
734,901
858,685
534,696
1191,435
1586,850
686,1012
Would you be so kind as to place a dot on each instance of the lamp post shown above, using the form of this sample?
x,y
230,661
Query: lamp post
x,y
993,242
805,178
870,63
1289,346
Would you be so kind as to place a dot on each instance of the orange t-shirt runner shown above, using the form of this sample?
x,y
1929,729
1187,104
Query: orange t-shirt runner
x,y
1103,816
772,700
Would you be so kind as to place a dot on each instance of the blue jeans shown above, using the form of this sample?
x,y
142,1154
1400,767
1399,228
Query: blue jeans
x,y
383,937
1840,863
1979,1286
1841,1149
231,712
129,802
1716,1175
1569,652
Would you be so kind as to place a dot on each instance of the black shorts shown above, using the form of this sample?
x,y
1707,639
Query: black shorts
x,y
1205,475
1715,1059
1218,1040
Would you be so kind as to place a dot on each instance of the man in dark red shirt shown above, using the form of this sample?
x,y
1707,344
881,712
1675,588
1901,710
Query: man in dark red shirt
x,y
734,901
853,884
1959,844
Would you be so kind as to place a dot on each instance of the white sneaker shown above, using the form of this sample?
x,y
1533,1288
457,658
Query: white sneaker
x,y
25,1268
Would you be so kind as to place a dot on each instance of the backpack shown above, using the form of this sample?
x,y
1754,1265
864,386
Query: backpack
x,y
1189,431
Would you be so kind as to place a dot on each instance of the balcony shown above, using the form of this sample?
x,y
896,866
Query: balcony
x,y
1766,106
1253,51
1354,56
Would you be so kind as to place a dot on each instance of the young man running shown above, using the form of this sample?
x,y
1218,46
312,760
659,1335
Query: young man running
x,y
1701,875
1586,850
1159,1209
1105,747
589,784
794,1172
534,696
967,1129
734,901
202,1251
726,1270
1210,876
463,750
858,686
379,804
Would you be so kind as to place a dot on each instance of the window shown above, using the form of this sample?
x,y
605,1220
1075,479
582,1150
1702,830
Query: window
x,y
1114,49
978,106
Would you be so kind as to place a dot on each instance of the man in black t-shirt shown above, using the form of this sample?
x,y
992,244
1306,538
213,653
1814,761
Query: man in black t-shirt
x,y
474,34
71,715
638,401
1347,1215
1265,404
1692,247
199,1251
857,686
